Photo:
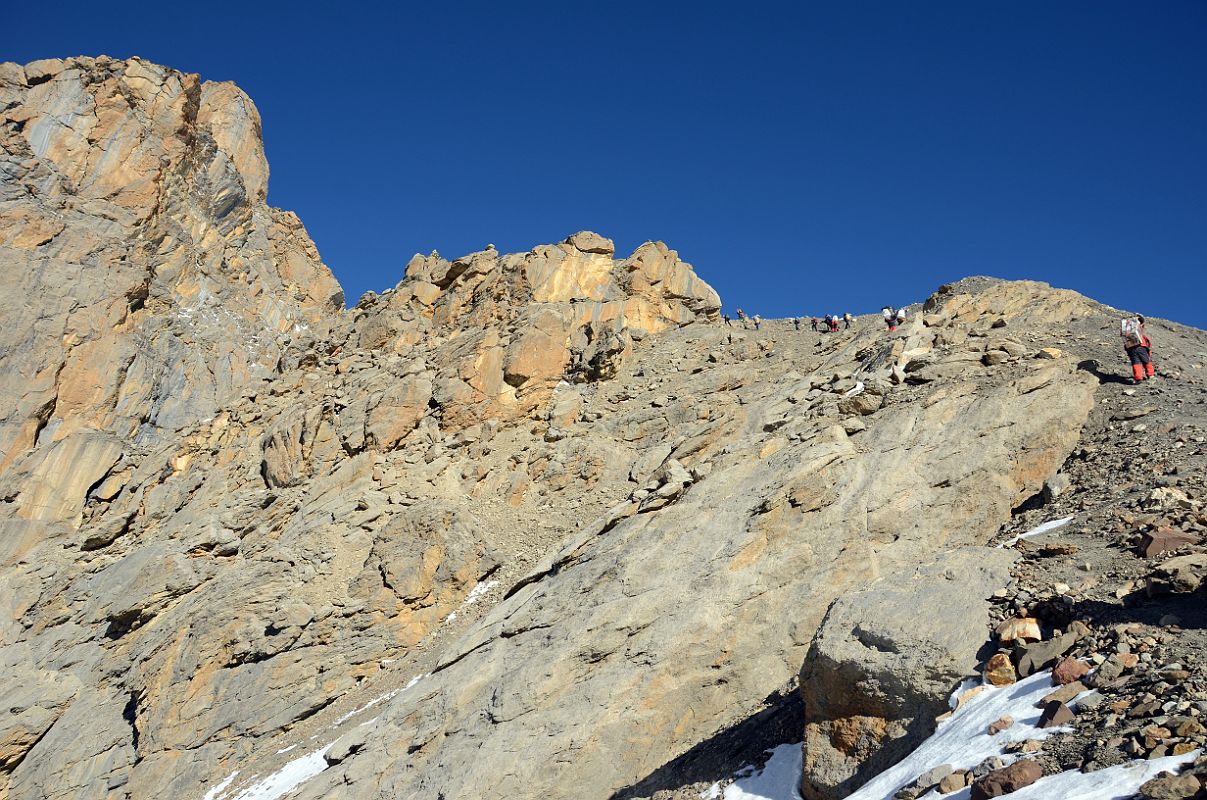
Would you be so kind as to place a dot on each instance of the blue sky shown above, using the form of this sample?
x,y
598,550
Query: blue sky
x,y
807,158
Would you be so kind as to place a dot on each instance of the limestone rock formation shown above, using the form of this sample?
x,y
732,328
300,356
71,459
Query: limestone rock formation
x,y
529,524
145,281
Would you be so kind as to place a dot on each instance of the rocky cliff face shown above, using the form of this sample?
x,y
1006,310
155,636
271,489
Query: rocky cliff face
x,y
531,524
145,281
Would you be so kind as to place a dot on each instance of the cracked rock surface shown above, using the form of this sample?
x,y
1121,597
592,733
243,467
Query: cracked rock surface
x,y
527,524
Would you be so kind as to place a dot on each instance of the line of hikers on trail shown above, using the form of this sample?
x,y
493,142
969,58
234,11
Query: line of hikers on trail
x,y
1136,343
828,323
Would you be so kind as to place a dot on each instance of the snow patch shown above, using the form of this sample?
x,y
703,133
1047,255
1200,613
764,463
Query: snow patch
x,y
474,595
377,700
212,794
365,707
775,781
287,778
962,740
1047,526
477,592
1114,783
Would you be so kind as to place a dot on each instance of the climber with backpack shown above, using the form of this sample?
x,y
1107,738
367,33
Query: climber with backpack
x,y
1138,347
890,317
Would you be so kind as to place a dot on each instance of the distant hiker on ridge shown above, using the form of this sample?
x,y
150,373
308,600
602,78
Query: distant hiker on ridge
x,y
741,317
890,317
1138,347
796,323
833,323
847,318
727,320
757,321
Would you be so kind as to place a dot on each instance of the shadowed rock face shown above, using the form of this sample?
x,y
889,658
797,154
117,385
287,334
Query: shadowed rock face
x,y
603,525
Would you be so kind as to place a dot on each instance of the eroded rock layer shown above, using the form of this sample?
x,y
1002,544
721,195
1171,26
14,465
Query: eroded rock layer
x,y
532,524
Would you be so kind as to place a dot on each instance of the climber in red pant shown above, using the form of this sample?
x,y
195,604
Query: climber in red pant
x,y
1138,347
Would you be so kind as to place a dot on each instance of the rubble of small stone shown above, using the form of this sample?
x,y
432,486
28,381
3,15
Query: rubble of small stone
x,y
1108,592
530,524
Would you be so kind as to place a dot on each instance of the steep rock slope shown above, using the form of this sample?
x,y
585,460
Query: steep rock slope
x,y
144,279
603,525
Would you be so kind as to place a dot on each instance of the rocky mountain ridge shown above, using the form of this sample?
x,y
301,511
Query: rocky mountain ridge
x,y
533,524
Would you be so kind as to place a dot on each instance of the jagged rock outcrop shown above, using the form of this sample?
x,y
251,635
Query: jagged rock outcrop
x,y
543,513
145,282
501,330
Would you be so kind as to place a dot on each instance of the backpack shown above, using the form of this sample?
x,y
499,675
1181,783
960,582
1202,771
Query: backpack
x,y
1129,329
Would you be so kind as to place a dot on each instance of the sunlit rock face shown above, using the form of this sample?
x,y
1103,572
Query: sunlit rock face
x,y
144,280
601,524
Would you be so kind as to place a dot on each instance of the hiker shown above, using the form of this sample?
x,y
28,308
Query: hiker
x,y
796,323
833,323
847,318
727,320
890,317
757,321
813,323
901,317
742,317
1138,347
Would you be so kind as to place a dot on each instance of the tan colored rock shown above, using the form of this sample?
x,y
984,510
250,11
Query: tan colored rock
x,y
1019,628
541,351
999,670
877,675
1005,723
293,523
398,411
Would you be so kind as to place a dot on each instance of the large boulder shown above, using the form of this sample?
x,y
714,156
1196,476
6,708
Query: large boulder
x,y
879,672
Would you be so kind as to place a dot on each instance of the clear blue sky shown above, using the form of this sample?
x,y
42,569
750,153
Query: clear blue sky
x,y
805,157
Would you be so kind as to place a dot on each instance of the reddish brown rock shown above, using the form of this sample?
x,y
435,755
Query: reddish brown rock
x,y
1069,670
1055,714
1163,539
1006,780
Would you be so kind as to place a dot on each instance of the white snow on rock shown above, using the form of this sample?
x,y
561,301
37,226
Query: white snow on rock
x,y
1115,783
375,701
286,779
1045,528
473,597
212,794
365,707
961,740
276,785
775,781
476,592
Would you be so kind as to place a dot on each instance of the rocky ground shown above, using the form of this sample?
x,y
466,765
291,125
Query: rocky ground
x,y
533,523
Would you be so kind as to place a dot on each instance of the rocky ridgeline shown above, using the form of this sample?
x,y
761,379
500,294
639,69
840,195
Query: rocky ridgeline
x,y
532,524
